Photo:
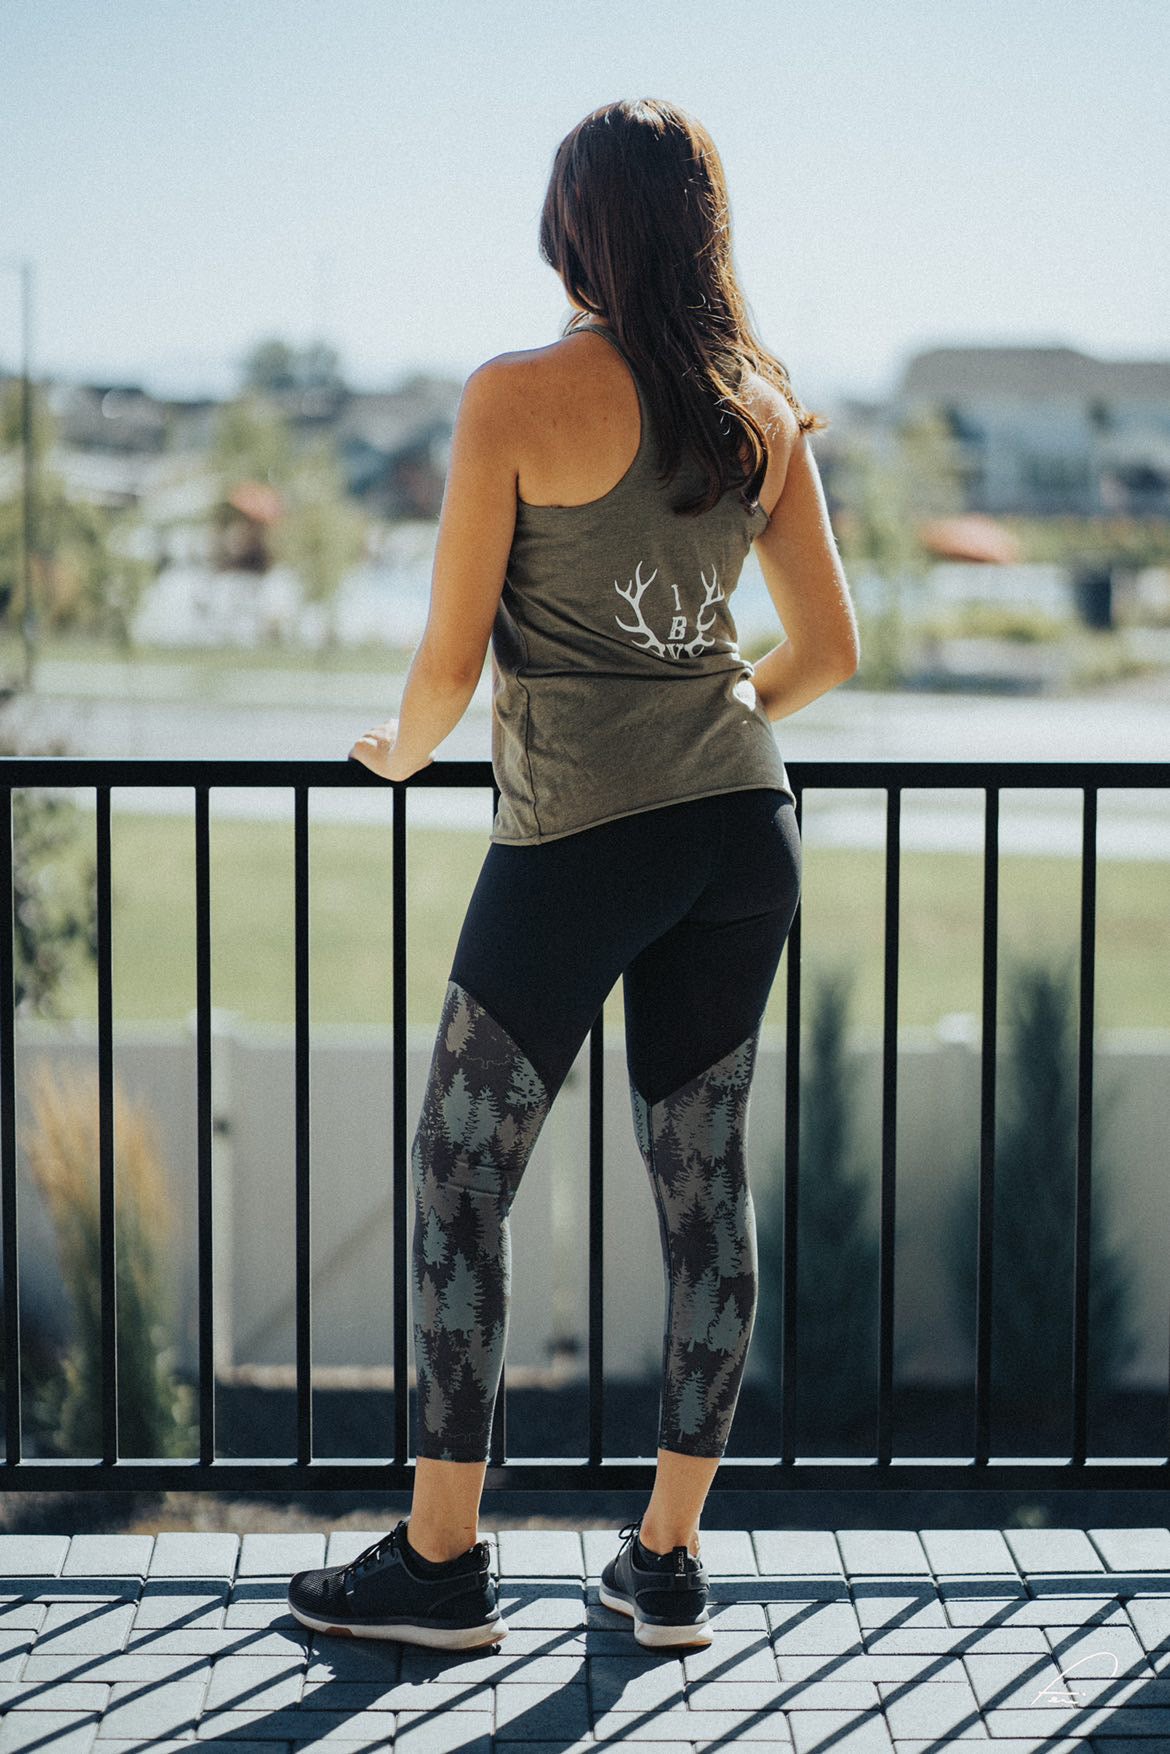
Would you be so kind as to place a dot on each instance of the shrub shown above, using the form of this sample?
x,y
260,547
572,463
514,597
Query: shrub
x,y
1034,1213
54,902
837,1282
154,1408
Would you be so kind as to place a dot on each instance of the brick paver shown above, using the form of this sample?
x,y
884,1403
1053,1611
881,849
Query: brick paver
x,y
872,1641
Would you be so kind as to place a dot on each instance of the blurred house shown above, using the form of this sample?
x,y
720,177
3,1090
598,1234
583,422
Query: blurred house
x,y
1048,431
245,520
393,445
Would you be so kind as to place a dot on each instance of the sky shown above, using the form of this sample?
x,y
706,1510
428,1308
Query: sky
x,y
191,176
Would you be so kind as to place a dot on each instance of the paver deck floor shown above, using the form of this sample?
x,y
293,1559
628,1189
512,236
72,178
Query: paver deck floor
x,y
854,1641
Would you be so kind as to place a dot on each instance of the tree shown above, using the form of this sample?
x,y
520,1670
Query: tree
x,y
888,484
251,441
269,367
837,1285
54,901
86,573
1034,1214
323,534
1104,541
319,534
273,367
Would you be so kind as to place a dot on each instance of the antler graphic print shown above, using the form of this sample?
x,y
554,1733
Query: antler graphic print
x,y
634,597
712,594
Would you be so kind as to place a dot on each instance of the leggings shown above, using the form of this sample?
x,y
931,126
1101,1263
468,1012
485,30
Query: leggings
x,y
691,904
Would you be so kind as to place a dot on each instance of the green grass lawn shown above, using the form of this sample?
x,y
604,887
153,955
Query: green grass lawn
x,y
842,913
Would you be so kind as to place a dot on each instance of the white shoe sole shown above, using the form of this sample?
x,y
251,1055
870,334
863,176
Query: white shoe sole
x,y
651,1632
435,1637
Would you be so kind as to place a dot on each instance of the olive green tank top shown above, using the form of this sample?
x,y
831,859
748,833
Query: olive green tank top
x,y
618,684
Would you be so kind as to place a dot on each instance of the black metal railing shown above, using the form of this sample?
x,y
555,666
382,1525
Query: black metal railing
x,y
593,1469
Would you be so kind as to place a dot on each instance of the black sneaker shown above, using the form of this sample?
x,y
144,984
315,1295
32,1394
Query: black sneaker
x,y
390,1591
665,1593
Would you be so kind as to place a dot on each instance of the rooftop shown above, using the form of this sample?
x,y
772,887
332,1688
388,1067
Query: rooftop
x,y
850,1640
936,373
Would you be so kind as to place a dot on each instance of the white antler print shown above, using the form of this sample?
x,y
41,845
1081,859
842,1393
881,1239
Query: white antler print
x,y
712,594
634,597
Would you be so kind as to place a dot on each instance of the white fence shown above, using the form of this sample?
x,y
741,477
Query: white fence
x,y
253,1075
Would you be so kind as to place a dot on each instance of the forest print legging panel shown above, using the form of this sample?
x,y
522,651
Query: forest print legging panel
x,y
692,904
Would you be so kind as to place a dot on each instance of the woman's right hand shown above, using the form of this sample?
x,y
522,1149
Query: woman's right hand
x,y
375,749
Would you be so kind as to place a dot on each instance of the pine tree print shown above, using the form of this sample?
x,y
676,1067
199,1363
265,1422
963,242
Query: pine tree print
x,y
737,1068
726,1333
681,1320
483,1121
459,1297
691,1126
526,1089
729,1255
488,1219
704,1308
718,1190
427,1305
690,1409
443,1197
721,1127
434,1407
482,1356
434,1241
641,1115
456,1109
693,1146
483,1108
459,1025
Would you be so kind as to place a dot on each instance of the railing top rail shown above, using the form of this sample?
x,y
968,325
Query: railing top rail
x,y
69,770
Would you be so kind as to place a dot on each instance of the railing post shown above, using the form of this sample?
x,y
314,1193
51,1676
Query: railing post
x,y
786,1437
1084,1172
400,1167
887,1227
597,1241
8,1163
985,1224
303,1246
204,1128
107,1204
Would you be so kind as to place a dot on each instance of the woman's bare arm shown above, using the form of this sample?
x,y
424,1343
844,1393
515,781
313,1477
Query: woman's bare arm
x,y
476,524
806,581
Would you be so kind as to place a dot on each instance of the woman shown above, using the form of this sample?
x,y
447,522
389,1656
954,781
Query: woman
x,y
601,497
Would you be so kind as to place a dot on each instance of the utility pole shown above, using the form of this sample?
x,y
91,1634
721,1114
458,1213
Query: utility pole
x,y
28,611
29,498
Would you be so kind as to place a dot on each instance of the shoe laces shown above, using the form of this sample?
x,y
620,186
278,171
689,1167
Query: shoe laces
x,y
634,1528
369,1557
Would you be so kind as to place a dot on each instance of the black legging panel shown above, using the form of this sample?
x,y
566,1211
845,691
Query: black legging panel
x,y
691,902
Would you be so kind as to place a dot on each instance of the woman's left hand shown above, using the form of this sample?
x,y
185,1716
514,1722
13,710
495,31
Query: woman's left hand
x,y
375,750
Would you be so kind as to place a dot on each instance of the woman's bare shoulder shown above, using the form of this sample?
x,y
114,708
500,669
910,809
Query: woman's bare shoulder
x,y
774,414
522,381
532,363
768,403
531,388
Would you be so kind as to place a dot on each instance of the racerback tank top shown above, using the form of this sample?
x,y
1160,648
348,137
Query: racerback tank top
x,y
617,680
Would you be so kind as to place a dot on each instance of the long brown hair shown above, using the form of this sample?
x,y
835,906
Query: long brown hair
x,y
637,224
